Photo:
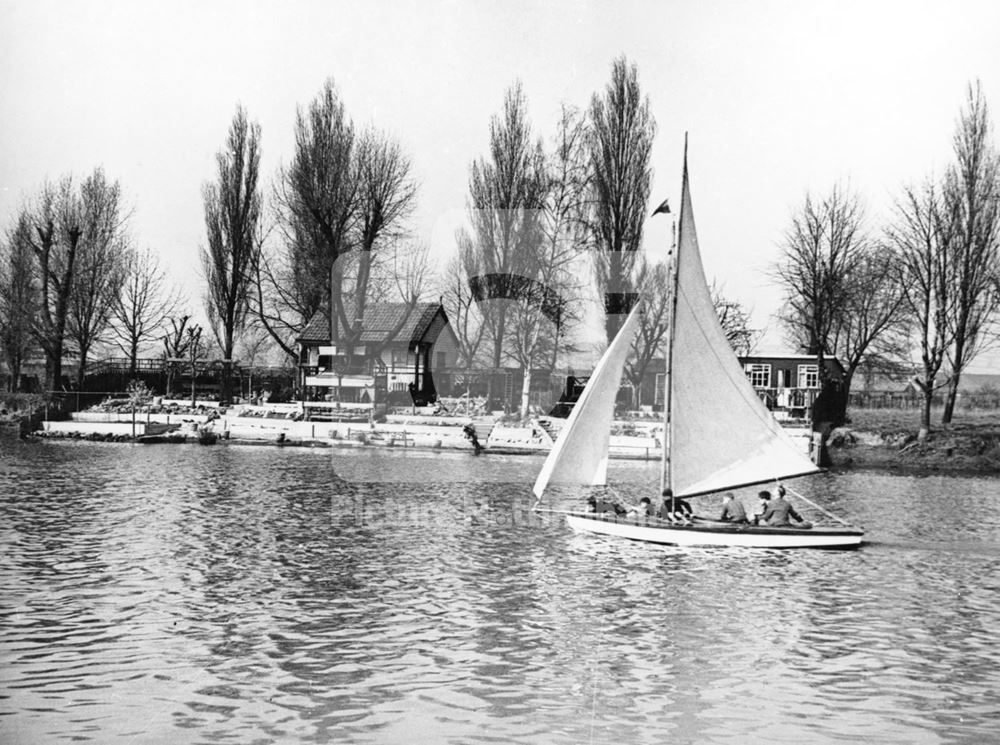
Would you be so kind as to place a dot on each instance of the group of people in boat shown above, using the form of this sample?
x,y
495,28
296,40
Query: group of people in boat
x,y
773,511
673,509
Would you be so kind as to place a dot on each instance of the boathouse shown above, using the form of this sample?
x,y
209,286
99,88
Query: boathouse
x,y
402,354
789,383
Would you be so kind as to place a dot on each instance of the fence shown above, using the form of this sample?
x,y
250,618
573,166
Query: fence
x,y
914,400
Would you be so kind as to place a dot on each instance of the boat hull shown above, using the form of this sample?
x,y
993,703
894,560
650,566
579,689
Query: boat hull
x,y
717,534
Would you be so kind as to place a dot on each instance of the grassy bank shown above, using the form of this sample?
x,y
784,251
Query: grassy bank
x,y
887,438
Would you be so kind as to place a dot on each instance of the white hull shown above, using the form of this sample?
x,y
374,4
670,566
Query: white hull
x,y
716,534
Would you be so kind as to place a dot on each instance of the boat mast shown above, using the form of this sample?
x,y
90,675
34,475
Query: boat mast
x,y
666,480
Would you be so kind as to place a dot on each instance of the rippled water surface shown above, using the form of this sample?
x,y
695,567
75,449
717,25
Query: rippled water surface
x,y
250,595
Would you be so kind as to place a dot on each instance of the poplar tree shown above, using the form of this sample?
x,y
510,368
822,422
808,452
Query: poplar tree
x,y
622,129
233,225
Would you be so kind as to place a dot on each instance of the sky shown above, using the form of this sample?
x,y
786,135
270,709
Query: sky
x,y
778,97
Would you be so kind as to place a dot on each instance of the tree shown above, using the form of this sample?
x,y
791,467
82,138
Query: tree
x,y
622,129
460,304
654,284
735,322
98,276
143,305
971,194
564,225
871,323
342,203
547,308
921,235
317,197
506,195
386,198
194,350
175,348
233,224
820,253
18,298
386,195
55,218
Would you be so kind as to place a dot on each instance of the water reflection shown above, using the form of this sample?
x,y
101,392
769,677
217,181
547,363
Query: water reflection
x,y
219,594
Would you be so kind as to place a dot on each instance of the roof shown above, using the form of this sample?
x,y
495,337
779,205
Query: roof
x,y
380,320
785,356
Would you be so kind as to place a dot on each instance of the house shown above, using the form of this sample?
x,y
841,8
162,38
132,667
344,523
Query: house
x,y
789,383
383,365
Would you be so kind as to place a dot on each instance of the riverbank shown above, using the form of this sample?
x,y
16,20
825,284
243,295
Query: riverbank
x,y
887,439
875,438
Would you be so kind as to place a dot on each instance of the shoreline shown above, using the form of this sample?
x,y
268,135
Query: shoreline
x,y
945,453
876,441
960,450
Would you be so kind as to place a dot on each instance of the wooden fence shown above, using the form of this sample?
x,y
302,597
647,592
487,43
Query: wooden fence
x,y
913,400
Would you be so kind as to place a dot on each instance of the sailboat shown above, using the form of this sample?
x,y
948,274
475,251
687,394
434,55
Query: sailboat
x,y
718,435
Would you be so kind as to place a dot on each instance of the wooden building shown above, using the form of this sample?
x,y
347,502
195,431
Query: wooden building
x,y
789,383
400,355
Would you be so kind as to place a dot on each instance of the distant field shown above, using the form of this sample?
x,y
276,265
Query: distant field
x,y
908,420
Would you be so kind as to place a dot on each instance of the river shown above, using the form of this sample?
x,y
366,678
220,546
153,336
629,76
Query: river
x,y
166,594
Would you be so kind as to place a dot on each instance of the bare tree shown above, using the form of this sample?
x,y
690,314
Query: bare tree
x,y
872,319
175,347
921,234
621,141
143,305
342,204
56,221
506,193
735,322
194,351
317,199
820,253
386,195
460,304
233,223
971,195
564,225
409,269
653,282
254,348
98,276
18,298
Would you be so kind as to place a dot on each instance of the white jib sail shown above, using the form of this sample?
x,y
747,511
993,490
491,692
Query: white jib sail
x,y
580,454
722,434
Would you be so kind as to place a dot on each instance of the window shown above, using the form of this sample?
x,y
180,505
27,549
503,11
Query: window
x,y
759,375
808,376
402,358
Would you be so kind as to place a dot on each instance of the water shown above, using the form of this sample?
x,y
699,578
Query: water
x,y
251,595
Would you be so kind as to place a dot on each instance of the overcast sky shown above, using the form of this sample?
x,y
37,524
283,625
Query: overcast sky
x,y
779,98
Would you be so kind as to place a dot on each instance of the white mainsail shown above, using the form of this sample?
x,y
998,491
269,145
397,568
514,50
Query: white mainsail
x,y
722,436
580,454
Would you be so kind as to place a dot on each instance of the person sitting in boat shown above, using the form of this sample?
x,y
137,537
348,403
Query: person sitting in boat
x,y
779,510
674,508
603,506
765,503
732,510
643,509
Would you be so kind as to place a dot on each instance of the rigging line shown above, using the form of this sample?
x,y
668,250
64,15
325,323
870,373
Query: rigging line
x,y
818,507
